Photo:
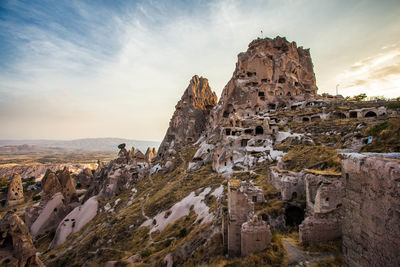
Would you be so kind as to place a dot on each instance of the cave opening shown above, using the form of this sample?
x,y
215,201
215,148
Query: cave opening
x,y
259,130
294,215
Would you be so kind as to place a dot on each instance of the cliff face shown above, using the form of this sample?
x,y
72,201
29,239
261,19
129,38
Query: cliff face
x,y
190,116
271,74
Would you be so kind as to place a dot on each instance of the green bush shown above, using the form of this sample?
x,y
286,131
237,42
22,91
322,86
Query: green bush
x,y
394,105
36,198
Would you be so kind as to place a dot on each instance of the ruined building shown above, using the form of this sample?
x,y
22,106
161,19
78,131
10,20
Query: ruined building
x,y
245,233
190,116
15,193
371,202
324,201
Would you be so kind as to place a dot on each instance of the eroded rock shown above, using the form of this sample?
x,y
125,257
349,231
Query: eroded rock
x,y
16,248
15,194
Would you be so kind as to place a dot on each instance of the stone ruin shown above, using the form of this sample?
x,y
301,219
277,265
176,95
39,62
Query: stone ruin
x,y
255,236
244,232
17,247
15,194
371,203
324,201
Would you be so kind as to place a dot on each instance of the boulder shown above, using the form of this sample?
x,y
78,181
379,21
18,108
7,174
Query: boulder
x,y
17,248
15,194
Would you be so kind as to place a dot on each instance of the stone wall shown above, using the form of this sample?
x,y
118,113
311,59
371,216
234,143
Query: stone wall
x,y
240,209
320,228
371,202
255,235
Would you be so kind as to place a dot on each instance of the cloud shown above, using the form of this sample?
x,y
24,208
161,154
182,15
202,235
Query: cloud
x,y
375,75
118,69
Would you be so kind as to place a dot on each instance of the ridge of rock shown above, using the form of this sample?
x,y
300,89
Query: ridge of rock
x,y
190,116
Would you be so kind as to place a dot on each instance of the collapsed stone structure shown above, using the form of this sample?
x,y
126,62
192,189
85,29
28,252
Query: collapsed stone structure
x,y
245,233
15,194
371,202
190,116
16,248
324,201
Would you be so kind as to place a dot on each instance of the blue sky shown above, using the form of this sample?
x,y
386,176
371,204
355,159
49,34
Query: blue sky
x,y
74,69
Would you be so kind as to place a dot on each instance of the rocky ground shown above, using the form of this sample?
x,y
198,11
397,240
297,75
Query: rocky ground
x,y
270,131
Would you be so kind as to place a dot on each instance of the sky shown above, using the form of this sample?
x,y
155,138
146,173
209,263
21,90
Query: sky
x,y
77,69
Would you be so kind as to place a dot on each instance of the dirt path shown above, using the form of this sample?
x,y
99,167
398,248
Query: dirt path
x,y
298,257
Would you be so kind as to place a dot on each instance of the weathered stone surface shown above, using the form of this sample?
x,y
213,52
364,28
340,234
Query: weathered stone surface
x,y
271,74
50,216
67,186
371,202
190,116
320,228
50,185
149,154
15,194
85,176
240,209
17,248
75,220
123,155
291,184
255,236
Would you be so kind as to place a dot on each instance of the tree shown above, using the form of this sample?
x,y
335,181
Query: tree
x,y
359,97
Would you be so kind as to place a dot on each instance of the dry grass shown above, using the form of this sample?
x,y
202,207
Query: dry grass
x,y
312,157
386,137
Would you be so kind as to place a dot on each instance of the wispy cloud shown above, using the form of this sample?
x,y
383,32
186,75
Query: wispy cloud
x,y
375,75
72,69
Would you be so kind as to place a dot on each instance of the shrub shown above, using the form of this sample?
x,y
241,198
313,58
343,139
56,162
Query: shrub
x,y
36,198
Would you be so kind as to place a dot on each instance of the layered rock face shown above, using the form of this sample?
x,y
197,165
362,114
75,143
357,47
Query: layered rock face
x,y
271,74
371,232
190,116
17,248
15,193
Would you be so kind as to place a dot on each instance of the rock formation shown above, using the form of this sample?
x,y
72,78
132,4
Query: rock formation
x,y
50,185
17,248
68,186
75,220
149,154
50,215
15,194
190,116
271,74
119,174
85,177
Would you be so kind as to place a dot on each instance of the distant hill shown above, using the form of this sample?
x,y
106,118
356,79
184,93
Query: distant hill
x,y
28,149
86,144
